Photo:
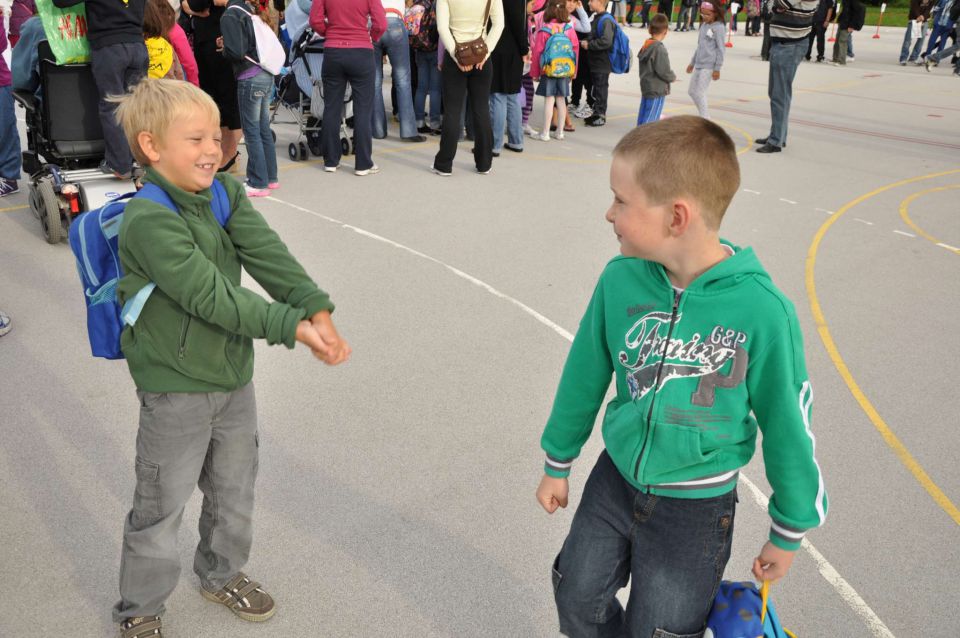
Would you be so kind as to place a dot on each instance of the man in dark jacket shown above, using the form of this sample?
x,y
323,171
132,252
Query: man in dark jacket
x,y
118,59
852,16
599,45
919,12
790,26
508,58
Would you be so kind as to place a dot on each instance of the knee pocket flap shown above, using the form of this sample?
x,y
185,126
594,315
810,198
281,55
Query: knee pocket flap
x,y
146,505
555,574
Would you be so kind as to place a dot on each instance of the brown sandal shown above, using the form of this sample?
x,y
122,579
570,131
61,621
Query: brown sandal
x,y
141,627
244,597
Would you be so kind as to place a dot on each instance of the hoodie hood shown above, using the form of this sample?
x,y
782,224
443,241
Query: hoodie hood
x,y
741,266
648,49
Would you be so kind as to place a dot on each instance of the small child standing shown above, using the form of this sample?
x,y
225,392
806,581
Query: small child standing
x,y
190,354
553,59
705,353
655,72
599,45
708,57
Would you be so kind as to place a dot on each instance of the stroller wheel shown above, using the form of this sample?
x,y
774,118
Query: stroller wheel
x,y
293,152
273,134
50,218
303,152
345,146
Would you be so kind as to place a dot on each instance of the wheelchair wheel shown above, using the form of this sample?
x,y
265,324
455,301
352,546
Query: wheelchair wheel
x,y
36,206
344,146
50,218
293,152
304,154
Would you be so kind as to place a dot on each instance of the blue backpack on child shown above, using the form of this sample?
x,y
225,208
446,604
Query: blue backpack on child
x,y
740,611
620,57
558,59
94,242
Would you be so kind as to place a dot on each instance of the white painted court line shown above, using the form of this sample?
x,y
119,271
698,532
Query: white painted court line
x,y
863,221
788,201
847,593
747,190
949,247
900,232
824,210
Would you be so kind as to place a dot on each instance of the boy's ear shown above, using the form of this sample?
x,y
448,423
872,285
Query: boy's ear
x,y
680,217
148,146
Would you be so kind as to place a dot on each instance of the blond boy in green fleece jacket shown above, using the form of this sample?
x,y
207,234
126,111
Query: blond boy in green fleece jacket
x,y
190,354
704,349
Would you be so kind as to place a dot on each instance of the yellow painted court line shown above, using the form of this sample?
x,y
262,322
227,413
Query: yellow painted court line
x,y
13,208
904,213
888,436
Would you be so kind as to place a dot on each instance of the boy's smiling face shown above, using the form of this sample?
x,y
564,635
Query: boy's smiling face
x,y
640,226
188,154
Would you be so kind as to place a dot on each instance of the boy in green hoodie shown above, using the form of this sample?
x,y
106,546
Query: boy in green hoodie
x,y
190,354
703,349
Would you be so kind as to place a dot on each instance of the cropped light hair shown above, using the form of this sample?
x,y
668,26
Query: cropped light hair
x,y
152,105
684,156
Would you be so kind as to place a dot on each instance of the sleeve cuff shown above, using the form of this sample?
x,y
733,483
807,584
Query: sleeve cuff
x,y
557,468
784,537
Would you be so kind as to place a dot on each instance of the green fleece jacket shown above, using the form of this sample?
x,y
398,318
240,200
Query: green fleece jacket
x,y
196,331
696,372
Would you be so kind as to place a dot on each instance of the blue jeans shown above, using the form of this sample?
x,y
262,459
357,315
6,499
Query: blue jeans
x,y
905,54
784,59
429,82
934,57
672,550
850,45
9,137
397,47
505,112
941,33
253,95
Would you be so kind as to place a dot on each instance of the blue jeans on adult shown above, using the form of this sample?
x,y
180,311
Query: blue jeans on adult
x,y
505,112
785,57
941,33
850,45
396,45
355,66
934,57
116,68
253,96
9,137
905,54
429,82
673,551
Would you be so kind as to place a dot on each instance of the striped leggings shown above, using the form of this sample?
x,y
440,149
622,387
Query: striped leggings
x,y
526,107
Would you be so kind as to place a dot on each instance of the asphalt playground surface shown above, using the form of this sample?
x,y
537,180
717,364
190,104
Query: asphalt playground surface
x,y
396,492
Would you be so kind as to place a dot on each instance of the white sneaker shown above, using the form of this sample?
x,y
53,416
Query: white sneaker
x,y
543,137
330,169
850,58
585,112
373,170
558,135
441,173
529,130
255,192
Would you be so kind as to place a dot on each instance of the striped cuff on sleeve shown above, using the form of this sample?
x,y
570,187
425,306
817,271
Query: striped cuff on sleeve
x,y
784,537
557,468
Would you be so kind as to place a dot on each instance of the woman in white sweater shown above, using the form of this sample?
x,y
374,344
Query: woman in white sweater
x,y
462,21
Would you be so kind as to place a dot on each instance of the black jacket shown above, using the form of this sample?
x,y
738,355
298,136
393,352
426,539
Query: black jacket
x,y
111,21
601,42
852,15
507,56
206,30
239,40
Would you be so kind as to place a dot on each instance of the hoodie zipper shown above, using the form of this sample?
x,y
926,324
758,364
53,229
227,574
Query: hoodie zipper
x,y
656,385
183,338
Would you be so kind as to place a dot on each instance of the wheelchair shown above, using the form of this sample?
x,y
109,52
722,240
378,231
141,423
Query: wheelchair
x,y
64,146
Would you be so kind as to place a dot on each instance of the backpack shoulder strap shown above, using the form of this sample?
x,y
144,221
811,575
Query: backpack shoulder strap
x,y
220,202
157,195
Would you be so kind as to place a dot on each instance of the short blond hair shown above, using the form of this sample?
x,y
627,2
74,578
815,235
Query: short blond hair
x,y
152,105
684,156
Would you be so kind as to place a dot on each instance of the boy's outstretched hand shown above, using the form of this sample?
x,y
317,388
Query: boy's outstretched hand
x,y
320,335
772,563
552,493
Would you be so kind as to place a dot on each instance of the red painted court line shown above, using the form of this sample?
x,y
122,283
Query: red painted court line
x,y
844,129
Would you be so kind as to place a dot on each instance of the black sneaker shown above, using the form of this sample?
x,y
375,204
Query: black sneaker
x,y
426,130
106,170
416,139
596,120
8,187
762,141
768,148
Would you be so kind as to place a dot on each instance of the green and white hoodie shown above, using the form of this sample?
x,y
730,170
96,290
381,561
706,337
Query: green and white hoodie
x,y
696,372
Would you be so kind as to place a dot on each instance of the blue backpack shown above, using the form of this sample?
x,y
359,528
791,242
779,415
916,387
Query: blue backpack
x,y
620,57
740,611
94,242
558,59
